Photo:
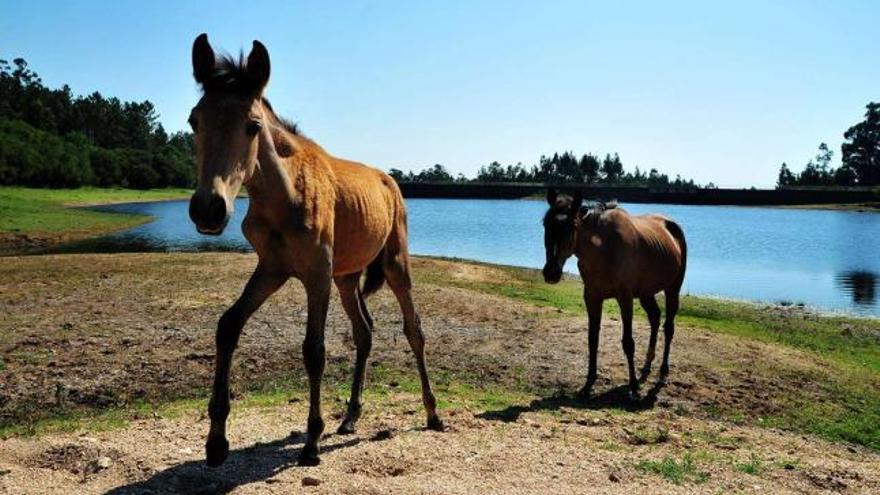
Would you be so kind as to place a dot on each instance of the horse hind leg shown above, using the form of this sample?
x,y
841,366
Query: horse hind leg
x,y
672,301
629,345
398,278
652,309
362,333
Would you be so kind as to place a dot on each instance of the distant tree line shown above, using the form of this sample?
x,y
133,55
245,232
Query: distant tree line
x,y
560,168
51,138
860,158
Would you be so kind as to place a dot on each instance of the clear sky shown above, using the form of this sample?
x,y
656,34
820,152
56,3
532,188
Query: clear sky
x,y
715,91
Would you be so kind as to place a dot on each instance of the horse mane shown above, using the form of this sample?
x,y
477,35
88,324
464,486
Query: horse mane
x,y
590,214
288,125
230,75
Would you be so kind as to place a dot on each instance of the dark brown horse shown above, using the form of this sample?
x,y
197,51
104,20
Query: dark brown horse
x,y
620,256
312,216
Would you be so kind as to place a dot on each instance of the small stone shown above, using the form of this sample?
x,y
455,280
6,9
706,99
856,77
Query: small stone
x,y
309,481
100,464
385,434
614,478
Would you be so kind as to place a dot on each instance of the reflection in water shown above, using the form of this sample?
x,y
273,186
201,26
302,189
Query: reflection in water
x,y
861,285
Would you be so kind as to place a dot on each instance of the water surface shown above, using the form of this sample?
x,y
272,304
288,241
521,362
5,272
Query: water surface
x,y
824,259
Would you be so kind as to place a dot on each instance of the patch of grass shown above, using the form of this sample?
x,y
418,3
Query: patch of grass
x,y
647,436
675,471
34,211
754,466
715,438
851,341
610,446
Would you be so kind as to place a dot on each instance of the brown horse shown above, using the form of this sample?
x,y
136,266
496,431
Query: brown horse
x,y
623,257
312,216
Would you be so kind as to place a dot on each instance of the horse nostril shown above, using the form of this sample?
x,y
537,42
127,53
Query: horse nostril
x,y
217,210
208,213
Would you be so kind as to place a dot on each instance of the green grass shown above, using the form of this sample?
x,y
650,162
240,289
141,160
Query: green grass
x,y
754,466
675,471
39,211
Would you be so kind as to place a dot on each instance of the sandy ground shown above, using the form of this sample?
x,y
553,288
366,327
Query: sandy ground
x,y
96,331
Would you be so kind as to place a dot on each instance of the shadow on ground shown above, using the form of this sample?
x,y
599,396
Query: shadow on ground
x,y
615,398
260,462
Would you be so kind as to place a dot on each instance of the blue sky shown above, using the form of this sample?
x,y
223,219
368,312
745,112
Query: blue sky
x,y
720,92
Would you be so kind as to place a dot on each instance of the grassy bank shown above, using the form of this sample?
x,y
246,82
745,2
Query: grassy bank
x,y
37,218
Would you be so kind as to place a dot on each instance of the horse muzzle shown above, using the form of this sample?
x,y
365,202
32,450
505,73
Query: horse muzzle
x,y
209,212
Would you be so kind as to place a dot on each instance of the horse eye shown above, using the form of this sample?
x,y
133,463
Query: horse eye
x,y
253,127
192,123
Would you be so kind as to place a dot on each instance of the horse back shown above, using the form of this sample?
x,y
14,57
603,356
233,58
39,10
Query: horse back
x,y
640,255
661,252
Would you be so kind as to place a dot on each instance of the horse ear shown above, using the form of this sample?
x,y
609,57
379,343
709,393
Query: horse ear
x,y
202,58
258,65
551,196
576,200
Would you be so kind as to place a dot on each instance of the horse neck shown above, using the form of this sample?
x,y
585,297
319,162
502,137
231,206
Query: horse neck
x,y
271,181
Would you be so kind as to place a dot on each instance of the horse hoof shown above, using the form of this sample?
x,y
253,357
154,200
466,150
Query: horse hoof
x,y
584,394
308,457
216,451
346,428
435,423
634,397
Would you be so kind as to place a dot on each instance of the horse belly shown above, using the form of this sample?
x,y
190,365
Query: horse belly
x,y
361,229
658,274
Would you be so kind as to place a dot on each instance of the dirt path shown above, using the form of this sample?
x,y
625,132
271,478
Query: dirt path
x,y
82,332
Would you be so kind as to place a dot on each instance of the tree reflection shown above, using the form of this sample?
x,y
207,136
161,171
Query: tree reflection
x,y
861,285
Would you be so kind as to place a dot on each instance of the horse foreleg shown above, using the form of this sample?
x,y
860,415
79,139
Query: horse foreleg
x,y
594,315
649,304
629,345
362,332
318,295
261,285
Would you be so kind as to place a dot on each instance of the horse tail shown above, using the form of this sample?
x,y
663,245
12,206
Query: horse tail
x,y
375,275
678,234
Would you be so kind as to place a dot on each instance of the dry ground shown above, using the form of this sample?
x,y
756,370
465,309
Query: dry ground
x,y
100,332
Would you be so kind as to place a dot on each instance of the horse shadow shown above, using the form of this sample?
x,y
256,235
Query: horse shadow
x,y
259,462
615,398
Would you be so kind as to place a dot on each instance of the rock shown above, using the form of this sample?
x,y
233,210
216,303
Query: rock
x,y
100,464
309,481
385,434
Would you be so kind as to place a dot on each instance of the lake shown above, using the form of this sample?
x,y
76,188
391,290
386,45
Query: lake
x,y
827,260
